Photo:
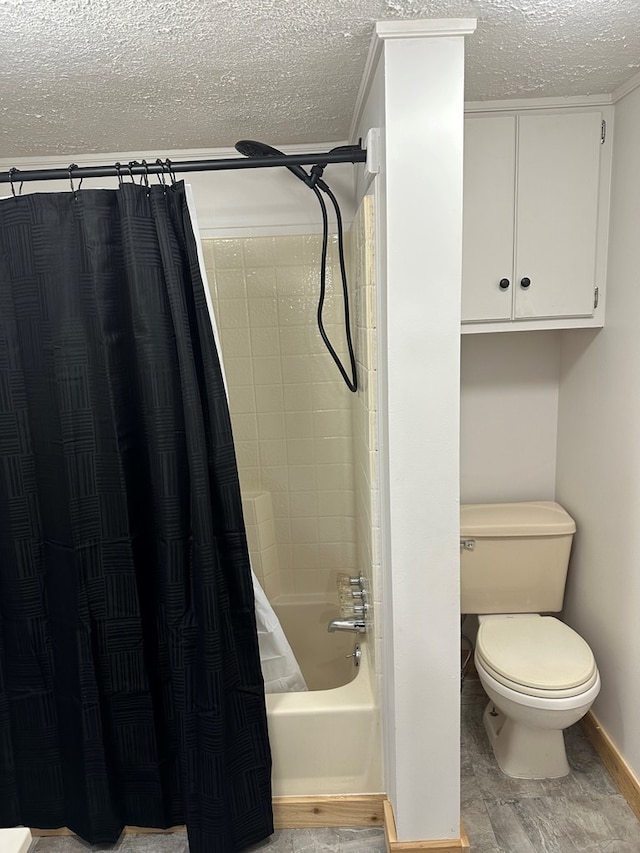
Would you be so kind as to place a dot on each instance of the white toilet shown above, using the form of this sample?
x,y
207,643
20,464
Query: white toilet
x,y
539,674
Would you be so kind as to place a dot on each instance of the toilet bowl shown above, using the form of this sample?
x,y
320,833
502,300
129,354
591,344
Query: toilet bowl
x,y
540,677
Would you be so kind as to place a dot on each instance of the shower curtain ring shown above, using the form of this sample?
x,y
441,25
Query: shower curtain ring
x,y
119,174
160,174
145,177
73,166
172,174
12,174
132,163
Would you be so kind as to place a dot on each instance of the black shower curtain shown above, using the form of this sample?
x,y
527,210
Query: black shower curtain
x,y
130,682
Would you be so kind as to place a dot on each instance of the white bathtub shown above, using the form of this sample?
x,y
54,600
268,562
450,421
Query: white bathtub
x,y
324,741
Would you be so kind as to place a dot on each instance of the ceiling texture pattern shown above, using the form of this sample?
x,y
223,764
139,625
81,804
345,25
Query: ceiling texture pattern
x,y
83,76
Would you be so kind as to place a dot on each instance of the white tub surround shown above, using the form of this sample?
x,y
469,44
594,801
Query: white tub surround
x,y
413,92
326,741
15,840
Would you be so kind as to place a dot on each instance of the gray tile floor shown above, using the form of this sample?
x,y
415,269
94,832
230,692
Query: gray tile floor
x,y
582,812
344,840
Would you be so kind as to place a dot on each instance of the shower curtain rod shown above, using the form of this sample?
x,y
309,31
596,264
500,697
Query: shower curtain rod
x,y
344,154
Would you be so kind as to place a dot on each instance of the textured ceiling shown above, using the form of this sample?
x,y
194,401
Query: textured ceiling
x,y
80,76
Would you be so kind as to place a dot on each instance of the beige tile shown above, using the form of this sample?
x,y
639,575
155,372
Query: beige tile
x,y
269,398
297,398
235,342
305,556
302,478
242,400
227,253
267,370
294,311
334,529
305,505
233,314
273,452
289,250
239,370
263,312
271,425
333,451
300,451
275,478
245,427
265,340
259,251
296,368
294,340
207,252
304,531
298,424
230,284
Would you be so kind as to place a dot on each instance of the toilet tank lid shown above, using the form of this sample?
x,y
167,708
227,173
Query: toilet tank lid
x,y
524,518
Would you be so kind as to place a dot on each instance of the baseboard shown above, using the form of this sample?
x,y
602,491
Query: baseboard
x,y
325,811
295,813
347,810
445,845
626,781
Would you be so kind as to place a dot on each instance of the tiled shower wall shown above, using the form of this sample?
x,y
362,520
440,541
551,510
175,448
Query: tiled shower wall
x,y
291,412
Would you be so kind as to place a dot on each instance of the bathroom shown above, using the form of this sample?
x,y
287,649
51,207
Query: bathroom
x,y
529,421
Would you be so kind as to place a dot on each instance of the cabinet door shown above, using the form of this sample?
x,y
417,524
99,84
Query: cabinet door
x,y
556,214
488,195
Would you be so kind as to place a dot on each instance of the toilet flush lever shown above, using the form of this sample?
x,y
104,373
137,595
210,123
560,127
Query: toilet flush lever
x,y
468,544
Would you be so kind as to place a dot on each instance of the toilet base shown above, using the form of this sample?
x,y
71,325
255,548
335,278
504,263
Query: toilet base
x,y
524,752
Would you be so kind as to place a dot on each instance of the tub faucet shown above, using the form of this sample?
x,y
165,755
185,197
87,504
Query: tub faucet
x,y
355,625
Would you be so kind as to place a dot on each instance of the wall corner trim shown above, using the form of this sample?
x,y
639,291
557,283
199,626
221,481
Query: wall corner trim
x,y
445,845
623,776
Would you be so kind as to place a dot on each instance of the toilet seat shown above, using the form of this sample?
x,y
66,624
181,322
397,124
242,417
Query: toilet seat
x,y
536,656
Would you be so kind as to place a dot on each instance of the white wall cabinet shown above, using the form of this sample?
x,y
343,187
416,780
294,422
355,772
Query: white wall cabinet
x,y
535,220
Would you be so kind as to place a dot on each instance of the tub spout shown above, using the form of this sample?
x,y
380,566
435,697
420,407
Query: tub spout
x,y
355,625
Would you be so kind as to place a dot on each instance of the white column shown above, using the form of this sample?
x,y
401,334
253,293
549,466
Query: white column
x,y
419,414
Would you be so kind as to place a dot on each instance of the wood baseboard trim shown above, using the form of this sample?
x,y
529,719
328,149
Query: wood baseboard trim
x,y
325,811
347,810
626,781
294,813
445,845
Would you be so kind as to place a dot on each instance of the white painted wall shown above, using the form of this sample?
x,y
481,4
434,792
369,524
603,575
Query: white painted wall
x,y
421,105
508,416
598,476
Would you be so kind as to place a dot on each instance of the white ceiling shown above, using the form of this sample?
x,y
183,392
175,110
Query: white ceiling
x,y
81,76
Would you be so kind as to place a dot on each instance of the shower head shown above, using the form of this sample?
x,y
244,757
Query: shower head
x,y
251,148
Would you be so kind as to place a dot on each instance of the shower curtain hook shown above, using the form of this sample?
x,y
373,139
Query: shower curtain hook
x,y
161,179
73,166
172,174
145,177
132,163
119,174
12,173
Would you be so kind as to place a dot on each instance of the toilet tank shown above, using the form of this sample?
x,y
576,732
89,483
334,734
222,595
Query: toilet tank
x,y
514,557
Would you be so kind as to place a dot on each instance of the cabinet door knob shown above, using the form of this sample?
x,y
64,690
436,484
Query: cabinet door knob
x,y
525,282
503,284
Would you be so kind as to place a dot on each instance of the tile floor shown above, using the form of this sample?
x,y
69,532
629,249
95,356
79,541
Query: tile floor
x,y
581,813
345,840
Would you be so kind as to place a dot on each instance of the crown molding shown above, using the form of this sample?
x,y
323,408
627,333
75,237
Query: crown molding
x,y
390,30
626,88
524,104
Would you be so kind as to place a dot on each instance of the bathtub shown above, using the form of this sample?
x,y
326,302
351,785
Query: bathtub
x,y
326,740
